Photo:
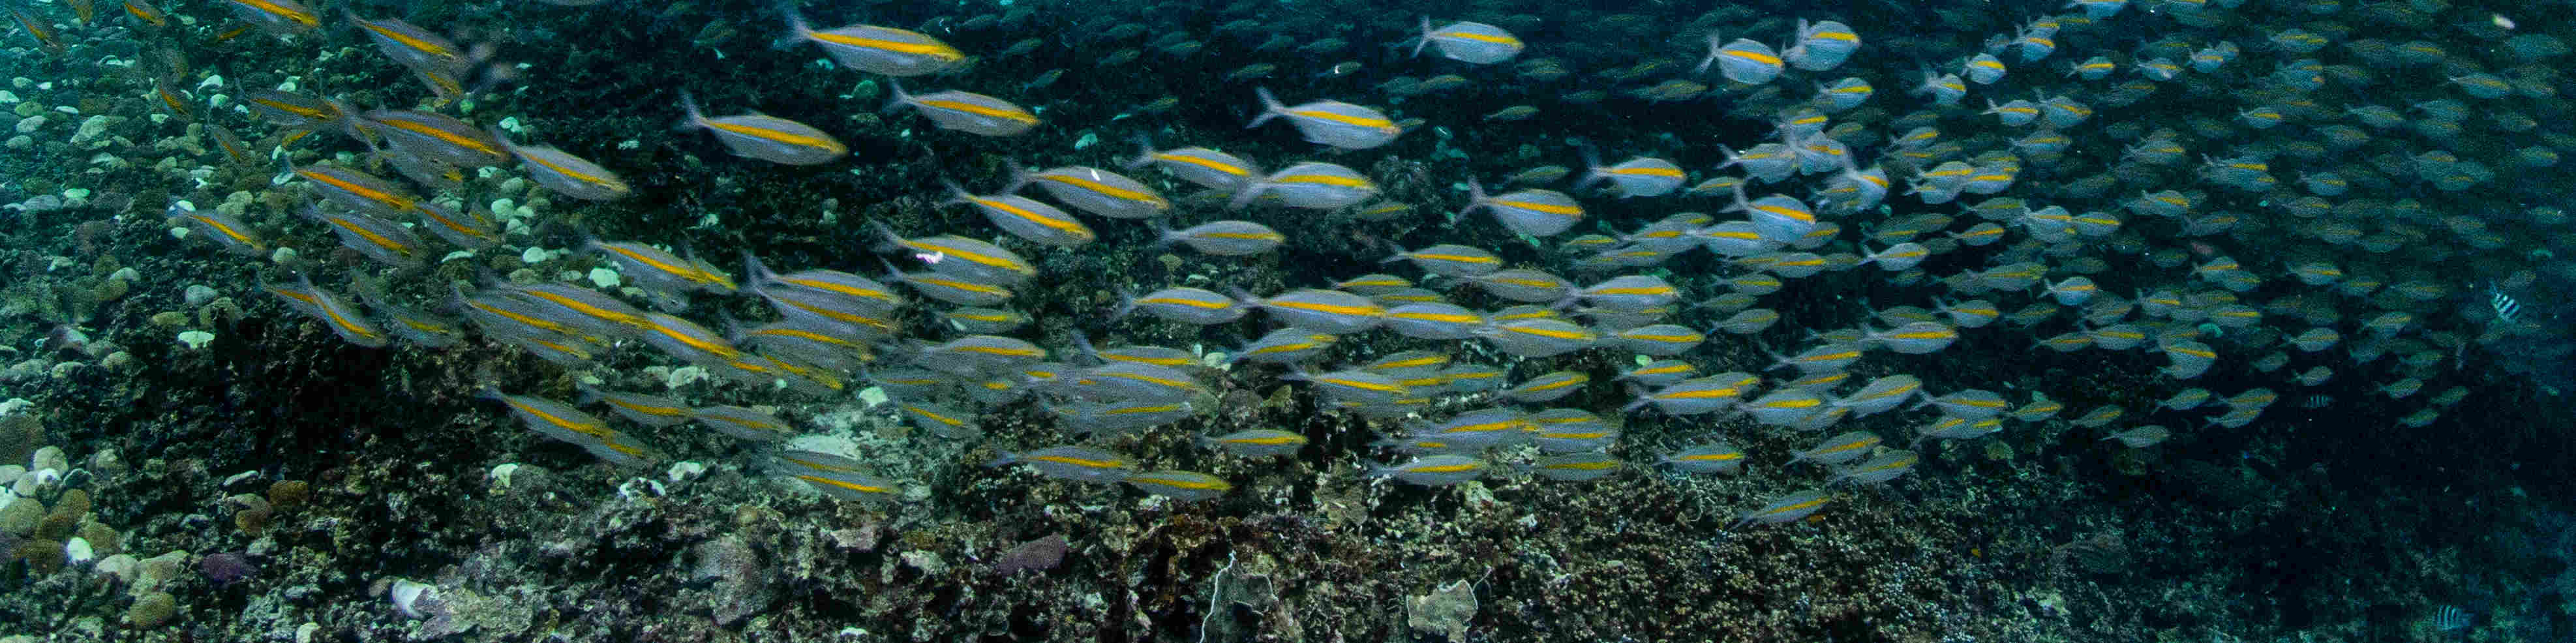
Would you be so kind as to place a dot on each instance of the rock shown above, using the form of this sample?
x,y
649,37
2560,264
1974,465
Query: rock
x,y
741,588
1444,611
50,457
94,128
152,610
19,517
157,570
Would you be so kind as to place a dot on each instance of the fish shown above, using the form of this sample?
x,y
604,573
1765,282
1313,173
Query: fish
x,y
358,191
1256,443
1179,485
1660,340
878,50
1449,260
1312,185
1435,470
1186,305
742,422
1637,177
277,17
1881,468
566,174
1325,311
223,230
1788,406
1099,192
1356,386
411,46
1471,42
1569,431
967,112
1206,167
1983,69
563,422
1328,122
437,136
839,477
1284,346
1026,218
764,137
2142,437
1547,387
1822,46
344,318
1072,463
1227,238
687,341
1917,338
977,353
1433,321
1840,449
1711,457
1535,338
1533,212
958,289
648,410
2506,308
1786,508
660,270
1742,60
376,238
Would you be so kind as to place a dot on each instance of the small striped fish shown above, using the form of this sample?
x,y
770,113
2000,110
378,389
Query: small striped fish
x,y
2506,308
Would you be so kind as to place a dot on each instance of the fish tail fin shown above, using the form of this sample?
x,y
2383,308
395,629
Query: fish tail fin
x,y
1270,107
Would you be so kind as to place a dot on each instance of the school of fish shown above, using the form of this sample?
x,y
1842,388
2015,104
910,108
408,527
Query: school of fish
x,y
1662,308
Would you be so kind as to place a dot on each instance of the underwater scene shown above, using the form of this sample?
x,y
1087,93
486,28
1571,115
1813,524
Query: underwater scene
x,y
2103,321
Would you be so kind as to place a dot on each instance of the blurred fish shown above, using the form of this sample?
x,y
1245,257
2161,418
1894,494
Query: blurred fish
x,y
277,17
1435,471
835,476
223,230
1179,485
334,311
411,46
1787,508
378,239
291,110
648,410
561,421
1711,457
1256,443
1073,463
